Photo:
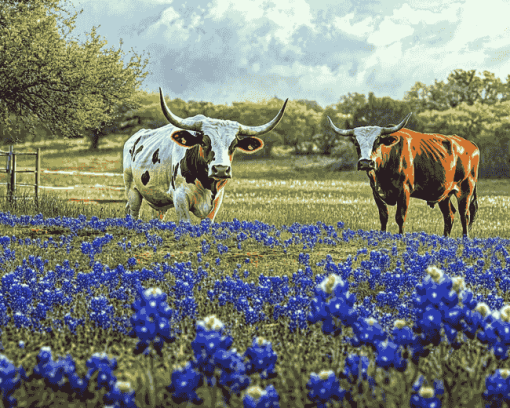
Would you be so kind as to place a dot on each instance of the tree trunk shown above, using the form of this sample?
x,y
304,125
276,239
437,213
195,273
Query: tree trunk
x,y
94,139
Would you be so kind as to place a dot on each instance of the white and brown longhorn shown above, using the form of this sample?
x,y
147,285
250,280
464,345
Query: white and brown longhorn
x,y
187,163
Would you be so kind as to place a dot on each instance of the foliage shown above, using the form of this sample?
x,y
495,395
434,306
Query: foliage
x,y
383,112
486,125
330,143
460,87
49,78
350,102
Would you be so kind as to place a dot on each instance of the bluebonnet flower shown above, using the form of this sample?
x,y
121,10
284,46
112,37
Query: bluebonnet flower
x,y
367,331
402,334
105,366
151,320
233,378
185,382
262,358
324,387
425,399
339,306
10,381
388,356
208,340
354,366
255,397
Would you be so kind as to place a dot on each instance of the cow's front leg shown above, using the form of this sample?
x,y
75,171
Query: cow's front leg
x,y
182,204
216,205
381,206
402,206
383,210
134,203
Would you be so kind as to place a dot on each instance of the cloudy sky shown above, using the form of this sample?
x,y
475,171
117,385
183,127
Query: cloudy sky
x,y
234,50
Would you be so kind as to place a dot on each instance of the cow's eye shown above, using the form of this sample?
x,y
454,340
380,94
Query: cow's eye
x,y
386,140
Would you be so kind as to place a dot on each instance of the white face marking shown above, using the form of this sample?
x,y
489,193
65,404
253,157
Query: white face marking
x,y
366,136
221,133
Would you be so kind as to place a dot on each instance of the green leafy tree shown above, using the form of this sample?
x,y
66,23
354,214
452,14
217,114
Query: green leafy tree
x,y
326,140
460,87
488,126
350,102
49,78
299,126
382,112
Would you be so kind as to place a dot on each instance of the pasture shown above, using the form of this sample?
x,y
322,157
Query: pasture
x,y
258,278
270,191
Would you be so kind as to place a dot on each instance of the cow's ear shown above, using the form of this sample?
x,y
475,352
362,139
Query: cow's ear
x,y
185,139
250,144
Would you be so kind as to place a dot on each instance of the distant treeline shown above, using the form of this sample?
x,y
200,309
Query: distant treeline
x,y
474,106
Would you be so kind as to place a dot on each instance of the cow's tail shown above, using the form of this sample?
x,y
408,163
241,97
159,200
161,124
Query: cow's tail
x,y
473,208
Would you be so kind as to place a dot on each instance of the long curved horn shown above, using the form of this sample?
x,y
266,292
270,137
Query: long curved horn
x,y
341,132
260,130
176,120
396,128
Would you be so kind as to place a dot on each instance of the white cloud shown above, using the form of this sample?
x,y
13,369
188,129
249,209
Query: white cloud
x,y
489,21
172,26
414,16
222,50
359,29
286,15
389,32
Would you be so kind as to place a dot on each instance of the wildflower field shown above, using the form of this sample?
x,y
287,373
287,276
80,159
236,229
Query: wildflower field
x,y
293,298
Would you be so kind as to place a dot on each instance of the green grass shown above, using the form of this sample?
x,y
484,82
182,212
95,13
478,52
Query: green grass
x,y
271,191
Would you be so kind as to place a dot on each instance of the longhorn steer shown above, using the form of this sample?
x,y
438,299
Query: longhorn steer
x,y
187,163
401,163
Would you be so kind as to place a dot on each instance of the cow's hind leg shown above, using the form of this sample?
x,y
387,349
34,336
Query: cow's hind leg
x,y
473,209
464,199
448,211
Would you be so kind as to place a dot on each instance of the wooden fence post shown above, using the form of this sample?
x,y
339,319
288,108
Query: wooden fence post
x,y
13,177
37,176
9,175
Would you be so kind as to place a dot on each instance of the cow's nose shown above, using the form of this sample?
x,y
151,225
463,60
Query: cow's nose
x,y
219,171
366,165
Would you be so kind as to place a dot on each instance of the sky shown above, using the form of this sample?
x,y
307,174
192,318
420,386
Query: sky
x,y
224,51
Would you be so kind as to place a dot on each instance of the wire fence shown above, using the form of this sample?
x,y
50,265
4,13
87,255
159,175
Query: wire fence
x,y
11,171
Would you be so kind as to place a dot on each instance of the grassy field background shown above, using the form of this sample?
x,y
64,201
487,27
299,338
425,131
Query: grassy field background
x,y
272,191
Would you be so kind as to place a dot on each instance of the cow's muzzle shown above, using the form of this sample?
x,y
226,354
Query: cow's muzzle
x,y
366,165
221,172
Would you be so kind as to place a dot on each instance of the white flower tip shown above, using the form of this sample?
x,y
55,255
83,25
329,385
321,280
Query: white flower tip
x,y
400,324
328,285
505,313
504,373
483,309
458,284
426,392
325,374
255,392
124,386
435,273
261,341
